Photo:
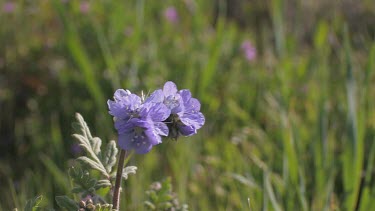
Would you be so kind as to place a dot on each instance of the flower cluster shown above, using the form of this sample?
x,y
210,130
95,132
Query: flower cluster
x,y
249,50
167,112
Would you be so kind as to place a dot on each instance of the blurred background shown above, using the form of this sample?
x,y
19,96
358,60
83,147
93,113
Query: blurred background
x,y
287,88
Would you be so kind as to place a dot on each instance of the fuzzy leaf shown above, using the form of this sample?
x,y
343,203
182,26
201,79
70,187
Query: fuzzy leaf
x,y
82,127
86,145
96,143
32,204
77,190
92,146
109,159
66,202
102,184
128,170
93,164
104,207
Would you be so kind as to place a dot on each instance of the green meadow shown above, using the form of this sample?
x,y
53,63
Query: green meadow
x,y
291,128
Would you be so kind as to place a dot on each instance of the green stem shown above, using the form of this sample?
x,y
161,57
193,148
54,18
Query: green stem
x,y
120,167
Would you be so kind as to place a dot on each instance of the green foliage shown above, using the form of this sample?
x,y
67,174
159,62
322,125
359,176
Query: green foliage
x,y
33,204
161,197
291,130
66,203
92,146
87,184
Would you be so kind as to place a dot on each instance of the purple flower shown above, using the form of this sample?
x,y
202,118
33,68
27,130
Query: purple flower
x,y
9,7
139,125
191,118
171,14
76,149
185,118
249,50
169,96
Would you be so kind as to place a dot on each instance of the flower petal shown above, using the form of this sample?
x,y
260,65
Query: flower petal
x,y
169,88
156,97
120,94
192,105
185,94
153,137
195,120
159,112
143,148
125,141
187,130
116,109
161,128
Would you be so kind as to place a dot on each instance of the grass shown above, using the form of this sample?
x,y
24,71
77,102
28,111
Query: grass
x,y
291,130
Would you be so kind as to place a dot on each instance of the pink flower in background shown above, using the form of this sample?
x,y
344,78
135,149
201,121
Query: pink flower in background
x,y
249,50
9,7
171,14
84,7
128,31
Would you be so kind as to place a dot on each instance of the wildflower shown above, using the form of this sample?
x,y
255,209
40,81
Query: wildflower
x,y
9,7
249,50
76,149
185,117
84,7
171,14
138,124
190,119
128,31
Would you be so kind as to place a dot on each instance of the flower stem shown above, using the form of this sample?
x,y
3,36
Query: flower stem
x,y
116,193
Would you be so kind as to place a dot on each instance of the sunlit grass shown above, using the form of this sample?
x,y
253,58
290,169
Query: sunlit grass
x,y
292,130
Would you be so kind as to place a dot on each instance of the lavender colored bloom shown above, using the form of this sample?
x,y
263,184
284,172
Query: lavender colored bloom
x,y
191,118
171,14
76,149
138,124
169,96
185,118
9,7
249,50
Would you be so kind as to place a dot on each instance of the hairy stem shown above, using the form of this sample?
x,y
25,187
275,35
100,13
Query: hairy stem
x,y
116,193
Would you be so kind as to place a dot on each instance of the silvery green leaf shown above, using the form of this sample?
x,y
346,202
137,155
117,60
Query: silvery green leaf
x,y
149,205
93,164
103,183
91,145
109,158
85,144
32,204
104,207
128,170
96,143
66,203
77,190
82,126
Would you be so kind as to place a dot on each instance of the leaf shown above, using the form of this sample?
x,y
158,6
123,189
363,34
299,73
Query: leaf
x,y
102,184
32,204
93,164
128,170
66,202
109,159
82,126
96,143
104,207
91,145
